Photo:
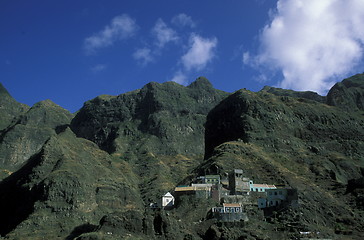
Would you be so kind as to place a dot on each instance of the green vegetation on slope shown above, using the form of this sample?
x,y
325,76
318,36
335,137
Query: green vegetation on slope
x,y
146,142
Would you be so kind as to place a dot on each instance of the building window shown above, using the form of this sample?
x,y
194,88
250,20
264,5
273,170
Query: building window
x,y
256,189
251,189
275,193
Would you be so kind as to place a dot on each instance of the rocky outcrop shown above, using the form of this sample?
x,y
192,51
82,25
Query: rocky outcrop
x,y
27,134
295,142
160,118
145,142
290,93
284,124
70,183
9,108
348,94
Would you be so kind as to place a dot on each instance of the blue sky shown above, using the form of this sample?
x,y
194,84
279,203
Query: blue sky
x,y
72,51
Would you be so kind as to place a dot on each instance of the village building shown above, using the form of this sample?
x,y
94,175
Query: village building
x,y
238,184
228,208
199,190
218,192
279,197
260,187
229,212
167,201
212,179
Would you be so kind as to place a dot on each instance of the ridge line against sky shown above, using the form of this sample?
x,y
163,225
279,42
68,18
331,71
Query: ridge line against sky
x,y
72,52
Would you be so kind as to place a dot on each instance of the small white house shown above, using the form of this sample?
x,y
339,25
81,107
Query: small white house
x,y
167,201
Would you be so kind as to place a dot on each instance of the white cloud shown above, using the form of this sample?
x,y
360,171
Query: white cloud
x,y
180,78
121,27
163,33
183,20
143,55
246,58
312,42
98,68
201,51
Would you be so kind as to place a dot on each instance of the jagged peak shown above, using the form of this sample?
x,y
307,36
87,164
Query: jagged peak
x,y
46,104
201,82
3,91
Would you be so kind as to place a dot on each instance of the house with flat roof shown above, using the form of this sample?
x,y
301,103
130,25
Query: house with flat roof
x,y
279,196
199,190
229,212
260,187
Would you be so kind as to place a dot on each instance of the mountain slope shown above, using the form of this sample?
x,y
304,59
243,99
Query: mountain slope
x,y
65,189
9,108
348,94
160,118
27,134
96,178
296,142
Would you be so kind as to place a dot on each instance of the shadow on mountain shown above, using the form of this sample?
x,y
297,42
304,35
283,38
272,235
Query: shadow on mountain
x,y
16,199
84,228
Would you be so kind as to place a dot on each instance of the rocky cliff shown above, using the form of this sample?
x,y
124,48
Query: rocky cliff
x,y
70,184
94,175
28,132
160,118
348,94
9,108
295,141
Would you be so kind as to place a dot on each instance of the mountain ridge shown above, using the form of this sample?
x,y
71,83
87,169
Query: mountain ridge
x,y
85,175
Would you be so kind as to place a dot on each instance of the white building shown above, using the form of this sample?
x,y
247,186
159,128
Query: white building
x,y
167,201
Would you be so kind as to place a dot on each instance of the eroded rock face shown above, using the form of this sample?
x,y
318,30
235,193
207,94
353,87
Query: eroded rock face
x,y
9,108
68,188
68,184
27,134
348,94
284,124
297,142
161,118
290,93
